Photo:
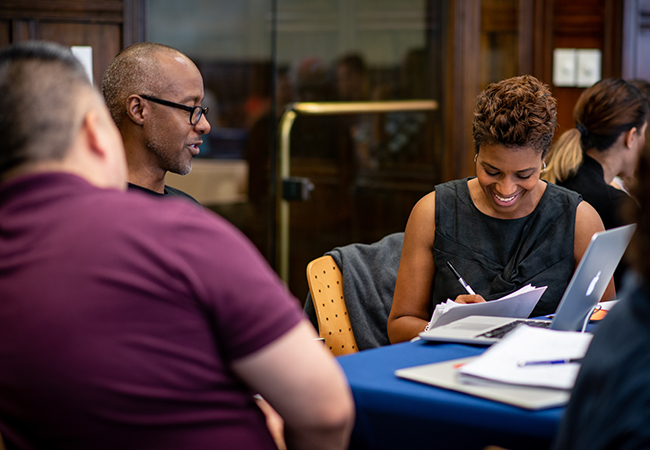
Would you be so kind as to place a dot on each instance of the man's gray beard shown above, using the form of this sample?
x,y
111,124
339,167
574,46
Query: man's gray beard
x,y
167,162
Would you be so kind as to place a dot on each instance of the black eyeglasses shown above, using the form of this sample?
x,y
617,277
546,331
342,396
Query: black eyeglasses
x,y
195,111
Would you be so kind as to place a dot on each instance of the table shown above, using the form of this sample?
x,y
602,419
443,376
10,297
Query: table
x,y
399,414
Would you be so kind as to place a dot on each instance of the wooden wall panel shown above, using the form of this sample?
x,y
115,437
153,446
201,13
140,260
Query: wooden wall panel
x,y
64,10
585,24
463,84
106,25
542,25
5,32
103,38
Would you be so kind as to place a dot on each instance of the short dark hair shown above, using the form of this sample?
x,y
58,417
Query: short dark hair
x,y
40,84
135,70
516,112
354,62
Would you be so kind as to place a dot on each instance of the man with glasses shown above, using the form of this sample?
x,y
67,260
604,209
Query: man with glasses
x,y
154,94
124,324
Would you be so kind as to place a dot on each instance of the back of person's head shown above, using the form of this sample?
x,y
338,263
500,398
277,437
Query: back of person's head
x,y
607,109
135,70
311,80
354,62
352,82
516,112
603,112
414,74
42,86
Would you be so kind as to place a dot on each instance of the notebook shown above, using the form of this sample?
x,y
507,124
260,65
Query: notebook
x,y
583,293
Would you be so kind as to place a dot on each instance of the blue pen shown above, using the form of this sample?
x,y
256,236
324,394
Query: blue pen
x,y
460,279
546,363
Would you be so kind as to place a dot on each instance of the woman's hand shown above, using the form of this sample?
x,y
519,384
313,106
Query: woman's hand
x,y
469,299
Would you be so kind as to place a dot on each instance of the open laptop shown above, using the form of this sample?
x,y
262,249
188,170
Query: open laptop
x,y
583,293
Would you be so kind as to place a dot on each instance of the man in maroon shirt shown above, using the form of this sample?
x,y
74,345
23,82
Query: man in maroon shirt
x,y
124,324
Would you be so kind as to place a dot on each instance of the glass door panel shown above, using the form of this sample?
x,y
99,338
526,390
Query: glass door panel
x,y
259,56
368,170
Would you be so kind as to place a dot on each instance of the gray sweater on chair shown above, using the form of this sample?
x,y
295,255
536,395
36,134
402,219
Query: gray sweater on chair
x,y
369,273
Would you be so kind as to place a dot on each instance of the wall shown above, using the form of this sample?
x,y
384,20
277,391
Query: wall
x,y
584,24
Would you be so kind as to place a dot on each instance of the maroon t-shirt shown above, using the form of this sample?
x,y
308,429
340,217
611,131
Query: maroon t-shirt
x,y
120,315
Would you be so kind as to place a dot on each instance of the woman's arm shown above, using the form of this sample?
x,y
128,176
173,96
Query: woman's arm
x,y
409,313
589,222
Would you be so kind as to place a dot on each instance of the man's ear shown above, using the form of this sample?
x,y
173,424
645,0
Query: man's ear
x,y
135,109
94,136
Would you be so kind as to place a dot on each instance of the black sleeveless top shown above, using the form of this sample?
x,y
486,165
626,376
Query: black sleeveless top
x,y
499,256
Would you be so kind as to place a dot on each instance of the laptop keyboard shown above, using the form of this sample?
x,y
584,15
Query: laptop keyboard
x,y
498,333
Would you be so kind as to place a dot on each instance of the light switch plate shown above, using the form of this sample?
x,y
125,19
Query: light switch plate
x,y
564,67
588,71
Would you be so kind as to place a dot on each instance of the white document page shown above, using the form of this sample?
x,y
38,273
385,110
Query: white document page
x,y
513,360
518,304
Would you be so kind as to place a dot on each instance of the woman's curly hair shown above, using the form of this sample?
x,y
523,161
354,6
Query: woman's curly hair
x,y
516,112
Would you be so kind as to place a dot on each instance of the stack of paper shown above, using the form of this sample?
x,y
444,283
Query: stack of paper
x,y
530,357
518,304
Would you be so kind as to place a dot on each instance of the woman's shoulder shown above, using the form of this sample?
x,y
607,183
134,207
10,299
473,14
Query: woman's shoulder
x,y
454,184
426,204
556,194
558,205
454,188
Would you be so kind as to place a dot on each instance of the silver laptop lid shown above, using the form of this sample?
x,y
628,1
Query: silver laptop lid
x,y
591,278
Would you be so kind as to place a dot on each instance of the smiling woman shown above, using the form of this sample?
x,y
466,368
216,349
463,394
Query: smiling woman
x,y
507,183
504,228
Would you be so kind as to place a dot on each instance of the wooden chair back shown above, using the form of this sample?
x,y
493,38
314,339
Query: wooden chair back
x,y
326,287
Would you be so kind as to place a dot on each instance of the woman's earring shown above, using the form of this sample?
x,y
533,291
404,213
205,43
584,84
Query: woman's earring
x,y
475,157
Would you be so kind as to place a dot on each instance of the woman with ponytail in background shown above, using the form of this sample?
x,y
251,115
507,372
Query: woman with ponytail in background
x,y
611,120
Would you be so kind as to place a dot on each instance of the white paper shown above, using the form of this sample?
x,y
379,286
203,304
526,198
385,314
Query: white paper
x,y
607,305
518,304
501,363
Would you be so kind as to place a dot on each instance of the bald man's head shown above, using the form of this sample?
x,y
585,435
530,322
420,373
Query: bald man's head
x,y
135,70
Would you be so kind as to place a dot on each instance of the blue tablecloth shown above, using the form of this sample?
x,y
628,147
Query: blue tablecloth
x,y
399,414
